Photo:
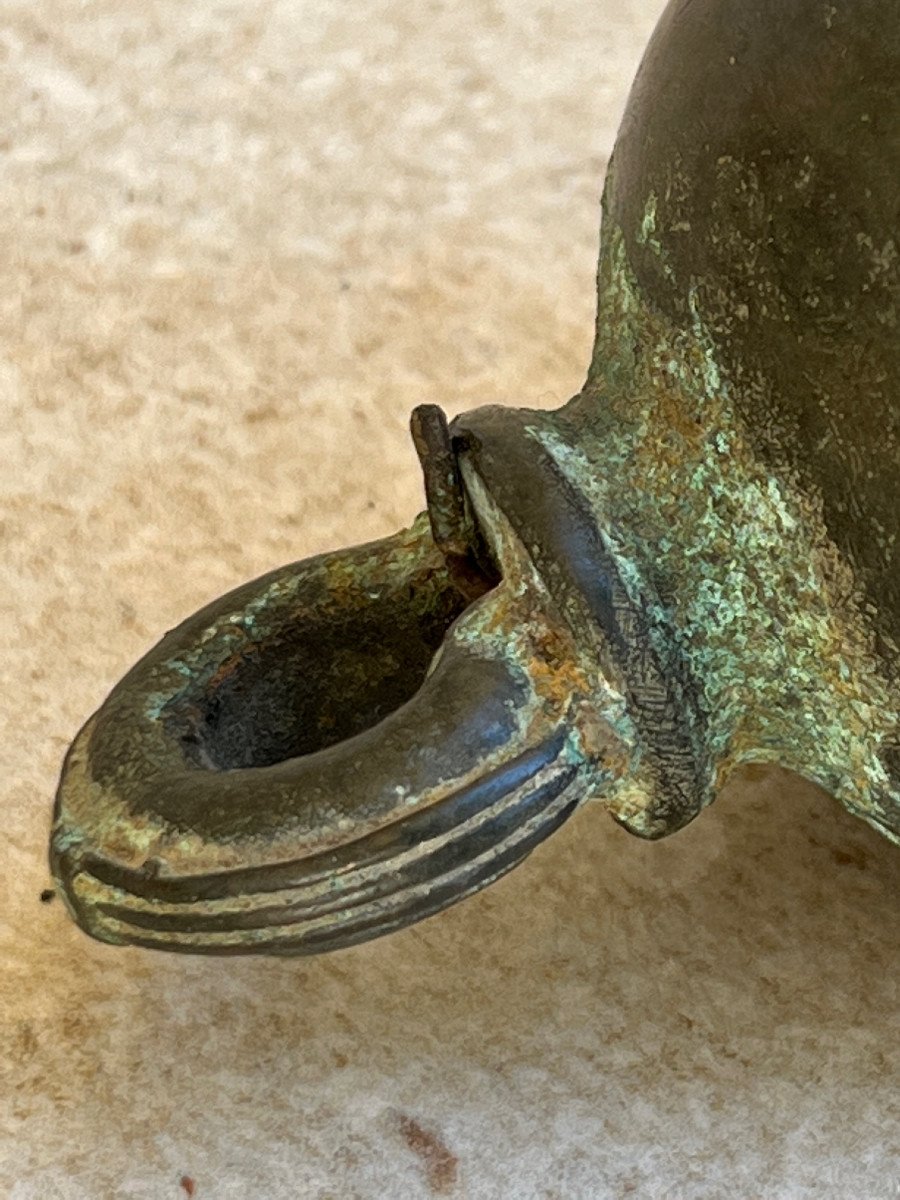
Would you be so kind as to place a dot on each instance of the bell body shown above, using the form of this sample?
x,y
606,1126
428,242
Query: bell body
x,y
749,295
738,436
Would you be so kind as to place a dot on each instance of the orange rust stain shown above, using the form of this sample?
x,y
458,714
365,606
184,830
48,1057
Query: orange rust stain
x,y
188,1184
229,666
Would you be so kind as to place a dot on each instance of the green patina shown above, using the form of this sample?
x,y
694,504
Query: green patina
x,y
731,562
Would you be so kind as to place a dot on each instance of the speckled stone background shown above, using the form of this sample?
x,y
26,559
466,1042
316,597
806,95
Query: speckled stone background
x,y
238,242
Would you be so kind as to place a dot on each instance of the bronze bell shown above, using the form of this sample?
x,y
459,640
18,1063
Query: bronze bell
x,y
692,565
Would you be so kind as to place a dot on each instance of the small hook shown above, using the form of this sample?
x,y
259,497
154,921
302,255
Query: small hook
x,y
453,527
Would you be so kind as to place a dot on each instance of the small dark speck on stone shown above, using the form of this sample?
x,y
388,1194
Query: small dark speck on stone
x,y
47,895
441,1165
188,1185
345,285
853,856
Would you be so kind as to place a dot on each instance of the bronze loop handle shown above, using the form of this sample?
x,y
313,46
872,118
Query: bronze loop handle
x,y
254,785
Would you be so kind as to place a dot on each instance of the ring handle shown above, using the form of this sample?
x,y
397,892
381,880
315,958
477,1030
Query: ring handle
x,y
163,840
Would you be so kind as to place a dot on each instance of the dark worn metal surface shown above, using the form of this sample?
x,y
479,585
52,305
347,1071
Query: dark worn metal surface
x,y
743,386
756,182
691,566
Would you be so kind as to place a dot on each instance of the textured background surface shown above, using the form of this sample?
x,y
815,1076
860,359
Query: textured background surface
x,y
238,242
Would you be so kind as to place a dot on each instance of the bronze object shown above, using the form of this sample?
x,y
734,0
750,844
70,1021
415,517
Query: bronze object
x,y
690,566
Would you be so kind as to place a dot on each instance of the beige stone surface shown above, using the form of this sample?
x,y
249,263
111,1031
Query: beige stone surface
x,y
238,242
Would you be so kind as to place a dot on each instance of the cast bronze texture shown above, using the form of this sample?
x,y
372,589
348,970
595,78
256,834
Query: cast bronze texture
x,y
691,566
